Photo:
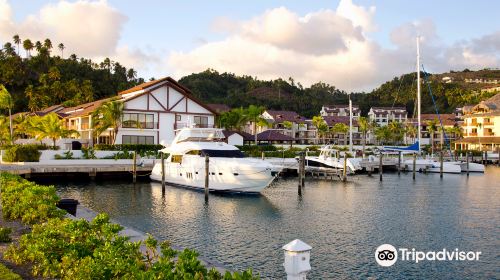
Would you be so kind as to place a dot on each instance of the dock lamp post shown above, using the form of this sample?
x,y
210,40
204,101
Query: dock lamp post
x,y
297,256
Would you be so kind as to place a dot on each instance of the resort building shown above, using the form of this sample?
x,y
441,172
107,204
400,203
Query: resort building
x,y
288,123
340,111
152,112
341,138
440,136
481,126
384,115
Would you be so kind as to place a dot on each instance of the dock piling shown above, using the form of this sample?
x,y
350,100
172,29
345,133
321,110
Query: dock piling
x,y
440,164
380,166
262,155
344,177
485,157
467,156
207,174
134,168
399,163
414,164
163,172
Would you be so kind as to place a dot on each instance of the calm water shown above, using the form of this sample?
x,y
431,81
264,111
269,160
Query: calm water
x,y
343,222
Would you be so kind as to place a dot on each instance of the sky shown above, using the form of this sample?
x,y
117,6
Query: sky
x,y
355,45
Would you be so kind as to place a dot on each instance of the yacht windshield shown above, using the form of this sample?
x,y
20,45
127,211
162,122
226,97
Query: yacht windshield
x,y
223,153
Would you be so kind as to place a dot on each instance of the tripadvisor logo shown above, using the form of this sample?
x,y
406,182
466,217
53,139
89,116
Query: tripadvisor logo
x,y
387,255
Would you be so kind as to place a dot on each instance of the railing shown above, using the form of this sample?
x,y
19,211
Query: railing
x,y
85,126
139,125
473,134
488,123
183,125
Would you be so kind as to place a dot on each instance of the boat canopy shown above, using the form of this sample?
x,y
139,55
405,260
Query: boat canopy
x,y
413,148
199,135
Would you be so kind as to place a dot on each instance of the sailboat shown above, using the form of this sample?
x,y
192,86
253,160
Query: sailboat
x,y
427,164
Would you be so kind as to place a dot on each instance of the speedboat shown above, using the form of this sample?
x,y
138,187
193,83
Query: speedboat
x,y
473,167
229,170
332,159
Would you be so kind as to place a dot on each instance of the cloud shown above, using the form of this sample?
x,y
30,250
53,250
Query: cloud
x,y
89,28
332,46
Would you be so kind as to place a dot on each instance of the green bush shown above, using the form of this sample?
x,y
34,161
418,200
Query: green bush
x,y
22,153
7,274
5,234
28,201
88,153
143,150
66,155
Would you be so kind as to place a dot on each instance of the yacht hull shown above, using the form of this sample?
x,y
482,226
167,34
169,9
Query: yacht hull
x,y
433,166
228,175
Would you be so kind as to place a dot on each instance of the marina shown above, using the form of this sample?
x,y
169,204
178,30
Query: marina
x,y
343,221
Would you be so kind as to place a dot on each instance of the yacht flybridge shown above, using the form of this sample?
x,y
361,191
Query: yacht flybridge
x,y
229,170
331,159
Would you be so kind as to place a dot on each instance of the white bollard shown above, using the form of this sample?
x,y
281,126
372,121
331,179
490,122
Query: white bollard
x,y
297,256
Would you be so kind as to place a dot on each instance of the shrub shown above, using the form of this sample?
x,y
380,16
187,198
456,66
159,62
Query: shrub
x,y
7,274
22,153
66,155
5,234
88,153
28,201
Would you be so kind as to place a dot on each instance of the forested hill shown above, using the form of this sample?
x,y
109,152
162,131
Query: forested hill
x,y
38,75
236,91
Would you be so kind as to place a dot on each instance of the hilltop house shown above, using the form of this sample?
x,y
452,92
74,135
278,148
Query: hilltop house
x,y
481,126
340,111
152,112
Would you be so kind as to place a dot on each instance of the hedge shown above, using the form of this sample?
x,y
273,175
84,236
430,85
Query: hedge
x,y
141,149
22,153
63,248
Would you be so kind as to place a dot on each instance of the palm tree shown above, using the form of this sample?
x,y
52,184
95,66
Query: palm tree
x,y
340,128
397,133
253,114
28,46
17,41
9,49
4,130
432,127
108,116
47,44
363,127
321,126
411,131
38,46
52,127
6,103
233,120
61,48
383,134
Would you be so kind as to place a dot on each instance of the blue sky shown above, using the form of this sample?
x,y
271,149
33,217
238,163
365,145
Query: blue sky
x,y
160,37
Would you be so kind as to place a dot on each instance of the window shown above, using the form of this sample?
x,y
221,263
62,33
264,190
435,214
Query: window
x,y
223,153
133,120
135,139
201,121
177,117
176,158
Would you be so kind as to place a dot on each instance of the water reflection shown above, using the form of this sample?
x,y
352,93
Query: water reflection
x,y
343,222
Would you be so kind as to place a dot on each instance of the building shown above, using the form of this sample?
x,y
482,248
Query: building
x,y
237,138
482,81
447,80
448,121
340,111
342,138
383,115
491,89
288,123
152,112
481,126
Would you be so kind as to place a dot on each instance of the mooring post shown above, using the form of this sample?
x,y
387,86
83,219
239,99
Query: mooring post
x,y
207,174
303,168
162,172
297,256
262,156
344,178
498,161
399,162
380,166
134,168
441,164
299,173
414,164
485,157
467,156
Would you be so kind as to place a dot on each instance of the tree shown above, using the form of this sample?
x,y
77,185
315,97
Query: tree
x,y
340,128
38,46
432,126
234,119
108,116
28,46
411,131
47,44
253,114
9,49
6,103
61,48
364,127
17,41
397,131
383,134
52,127
321,126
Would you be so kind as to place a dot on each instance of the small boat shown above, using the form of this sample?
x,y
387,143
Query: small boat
x,y
229,169
432,166
331,158
473,167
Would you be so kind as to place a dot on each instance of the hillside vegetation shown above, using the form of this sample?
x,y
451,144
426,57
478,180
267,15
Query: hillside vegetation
x,y
38,75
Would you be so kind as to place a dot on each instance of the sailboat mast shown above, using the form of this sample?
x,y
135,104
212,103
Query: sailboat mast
x,y
418,93
350,124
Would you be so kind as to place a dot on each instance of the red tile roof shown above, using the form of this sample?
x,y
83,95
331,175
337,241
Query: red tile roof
x,y
281,116
273,135
332,120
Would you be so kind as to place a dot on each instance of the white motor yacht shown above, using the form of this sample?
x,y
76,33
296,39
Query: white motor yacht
x,y
229,170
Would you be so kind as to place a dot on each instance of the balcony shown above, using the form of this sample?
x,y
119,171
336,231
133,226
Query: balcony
x,y
138,125
180,125
488,123
472,134
85,126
